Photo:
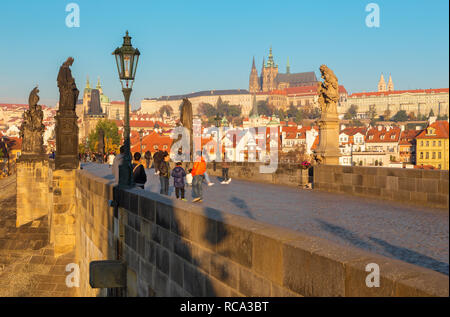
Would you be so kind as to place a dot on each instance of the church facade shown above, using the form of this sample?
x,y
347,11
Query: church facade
x,y
271,79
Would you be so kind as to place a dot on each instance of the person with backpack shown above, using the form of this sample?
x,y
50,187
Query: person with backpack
x,y
139,176
198,172
178,174
164,173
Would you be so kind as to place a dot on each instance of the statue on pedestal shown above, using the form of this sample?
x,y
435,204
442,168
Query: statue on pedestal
x,y
66,119
327,151
32,129
187,122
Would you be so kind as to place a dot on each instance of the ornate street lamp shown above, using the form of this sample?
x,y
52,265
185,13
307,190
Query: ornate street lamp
x,y
141,133
127,59
218,120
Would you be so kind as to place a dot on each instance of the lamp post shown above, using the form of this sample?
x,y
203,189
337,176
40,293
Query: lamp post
x,y
141,133
127,59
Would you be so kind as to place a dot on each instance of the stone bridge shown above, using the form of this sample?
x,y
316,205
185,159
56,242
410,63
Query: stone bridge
x,y
264,237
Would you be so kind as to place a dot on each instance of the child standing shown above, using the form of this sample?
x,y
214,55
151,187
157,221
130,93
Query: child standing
x,y
189,177
178,174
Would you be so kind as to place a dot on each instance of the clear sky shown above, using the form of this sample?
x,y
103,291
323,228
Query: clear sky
x,y
198,45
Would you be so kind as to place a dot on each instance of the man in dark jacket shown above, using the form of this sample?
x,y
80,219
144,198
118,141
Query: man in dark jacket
x,y
163,169
148,158
139,176
178,174
157,159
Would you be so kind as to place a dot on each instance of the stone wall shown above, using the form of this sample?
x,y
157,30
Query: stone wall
x,y
175,248
285,174
414,186
32,190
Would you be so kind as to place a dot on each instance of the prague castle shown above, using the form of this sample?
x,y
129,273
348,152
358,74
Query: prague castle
x,y
271,79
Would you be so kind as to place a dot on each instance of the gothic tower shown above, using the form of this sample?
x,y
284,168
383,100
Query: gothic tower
x,y
381,84
269,73
390,86
254,84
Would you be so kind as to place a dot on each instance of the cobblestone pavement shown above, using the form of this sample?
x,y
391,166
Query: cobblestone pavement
x,y
28,267
417,235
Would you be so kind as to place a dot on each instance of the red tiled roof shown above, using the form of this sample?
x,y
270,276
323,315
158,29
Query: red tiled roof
x,y
149,141
350,131
440,133
385,93
383,135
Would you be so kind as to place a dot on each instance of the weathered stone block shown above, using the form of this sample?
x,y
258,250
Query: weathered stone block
x,y
162,259
176,269
193,280
163,215
235,243
253,285
203,231
224,270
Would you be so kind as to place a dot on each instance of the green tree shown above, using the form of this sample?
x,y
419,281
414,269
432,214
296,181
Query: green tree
x,y
400,116
166,109
112,137
351,112
292,111
264,108
207,110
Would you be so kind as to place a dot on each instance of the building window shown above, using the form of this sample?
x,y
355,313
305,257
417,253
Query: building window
x,y
440,144
421,155
434,155
428,143
421,143
439,155
434,143
427,155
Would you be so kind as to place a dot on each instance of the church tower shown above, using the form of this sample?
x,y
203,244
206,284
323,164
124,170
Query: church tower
x,y
390,86
381,84
254,84
269,73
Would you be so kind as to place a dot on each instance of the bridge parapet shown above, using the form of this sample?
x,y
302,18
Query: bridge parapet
x,y
411,186
174,248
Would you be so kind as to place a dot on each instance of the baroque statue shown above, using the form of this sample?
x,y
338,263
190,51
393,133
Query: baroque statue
x,y
328,91
327,151
66,128
32,129
68,92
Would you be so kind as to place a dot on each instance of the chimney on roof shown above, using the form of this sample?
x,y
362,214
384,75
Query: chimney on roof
x,y
380,127
402,127
342,126
388,128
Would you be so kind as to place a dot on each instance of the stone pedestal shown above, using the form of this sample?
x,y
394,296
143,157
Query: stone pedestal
x,y
328,148
32,188
66,131
304,177
62,216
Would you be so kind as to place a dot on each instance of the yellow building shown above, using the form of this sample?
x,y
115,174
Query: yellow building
x,y
433,146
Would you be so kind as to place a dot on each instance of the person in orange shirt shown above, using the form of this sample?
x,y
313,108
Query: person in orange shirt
x,y
198,172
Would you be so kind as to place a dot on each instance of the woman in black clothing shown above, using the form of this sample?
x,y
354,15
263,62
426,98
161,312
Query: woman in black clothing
x,y
139,176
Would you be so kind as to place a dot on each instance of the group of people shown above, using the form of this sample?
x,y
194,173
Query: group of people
x,y
193,177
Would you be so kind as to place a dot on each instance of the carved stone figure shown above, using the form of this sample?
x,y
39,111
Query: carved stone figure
x,y
68,92
101,141
186,121
328,91
66,129
327,151
32,129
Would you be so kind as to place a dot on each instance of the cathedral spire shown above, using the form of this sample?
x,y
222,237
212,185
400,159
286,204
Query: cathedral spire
x,y
254,108
381,84
253,65
88,85
390,86
98,83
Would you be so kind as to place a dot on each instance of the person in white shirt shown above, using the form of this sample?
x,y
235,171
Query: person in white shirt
x,y
189,178
117,161
111,158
